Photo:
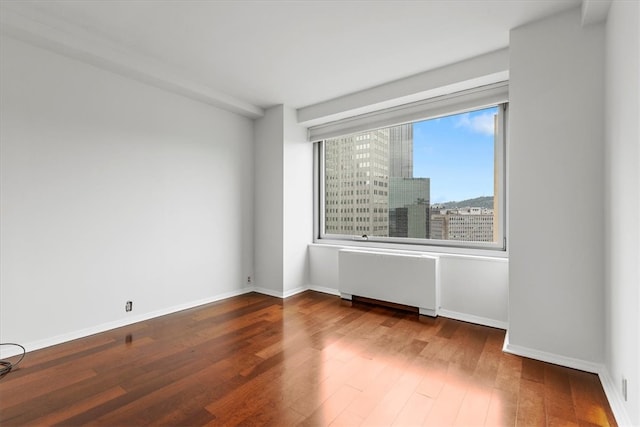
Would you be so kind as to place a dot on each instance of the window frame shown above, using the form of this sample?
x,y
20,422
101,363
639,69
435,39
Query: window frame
x,y
430,245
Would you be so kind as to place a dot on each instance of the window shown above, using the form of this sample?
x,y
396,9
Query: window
x,y
438,181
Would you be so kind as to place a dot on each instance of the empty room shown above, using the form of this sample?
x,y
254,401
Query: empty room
x,y
321,213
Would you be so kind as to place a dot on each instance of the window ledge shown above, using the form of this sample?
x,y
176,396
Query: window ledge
x,y
413,249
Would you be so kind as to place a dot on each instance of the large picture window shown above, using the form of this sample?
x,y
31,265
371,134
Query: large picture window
x,y
438,181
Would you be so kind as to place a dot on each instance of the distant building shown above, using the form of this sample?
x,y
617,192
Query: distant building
x,y
408,191
368,176
410,221
357,184
439,226
471,224
409,207
408,196
401,151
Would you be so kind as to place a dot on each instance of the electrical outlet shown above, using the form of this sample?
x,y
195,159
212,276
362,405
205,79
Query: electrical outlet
x,y
624,389
248,279
128,306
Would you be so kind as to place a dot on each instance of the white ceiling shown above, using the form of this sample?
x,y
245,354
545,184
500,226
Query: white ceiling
x,y
298,53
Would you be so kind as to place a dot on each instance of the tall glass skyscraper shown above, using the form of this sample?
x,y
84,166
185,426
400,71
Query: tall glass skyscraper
x,y
408,196
401,151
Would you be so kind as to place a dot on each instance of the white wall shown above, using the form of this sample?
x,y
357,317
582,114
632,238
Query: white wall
x,y
622,215
284,204
556,253
269,201
298,203
113,191
323,268
473,289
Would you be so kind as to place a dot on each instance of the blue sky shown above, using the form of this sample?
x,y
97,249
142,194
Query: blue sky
x,y
456,152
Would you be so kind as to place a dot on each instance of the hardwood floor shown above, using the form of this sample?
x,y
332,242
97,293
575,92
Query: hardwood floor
x,y
310,360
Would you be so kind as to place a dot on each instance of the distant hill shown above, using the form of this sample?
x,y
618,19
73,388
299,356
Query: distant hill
x,y
478,202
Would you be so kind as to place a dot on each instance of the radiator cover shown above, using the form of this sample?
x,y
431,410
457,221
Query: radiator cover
x,y
407,279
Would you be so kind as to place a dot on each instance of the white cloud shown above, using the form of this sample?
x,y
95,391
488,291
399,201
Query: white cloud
x,y
481,123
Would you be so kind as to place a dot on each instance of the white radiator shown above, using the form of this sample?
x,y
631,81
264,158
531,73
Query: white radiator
x,y
399,278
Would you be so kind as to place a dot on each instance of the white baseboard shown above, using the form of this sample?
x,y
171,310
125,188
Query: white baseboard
x,y
294,291
485,321
279,294
611,389
324,290
616,401
427,312
6,351
266,291
556,359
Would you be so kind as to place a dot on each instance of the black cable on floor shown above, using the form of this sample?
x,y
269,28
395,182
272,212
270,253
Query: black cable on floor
x,y
6,366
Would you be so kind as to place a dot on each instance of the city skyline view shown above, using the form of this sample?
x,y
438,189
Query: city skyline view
x,y
457,154
391,182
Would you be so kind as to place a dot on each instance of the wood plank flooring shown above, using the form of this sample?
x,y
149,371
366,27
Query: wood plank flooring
x,y
310,360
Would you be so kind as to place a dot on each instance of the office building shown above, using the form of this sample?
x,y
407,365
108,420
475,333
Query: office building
x,y
356,184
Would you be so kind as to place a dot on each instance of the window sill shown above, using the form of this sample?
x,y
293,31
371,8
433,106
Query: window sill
x,y
413,249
